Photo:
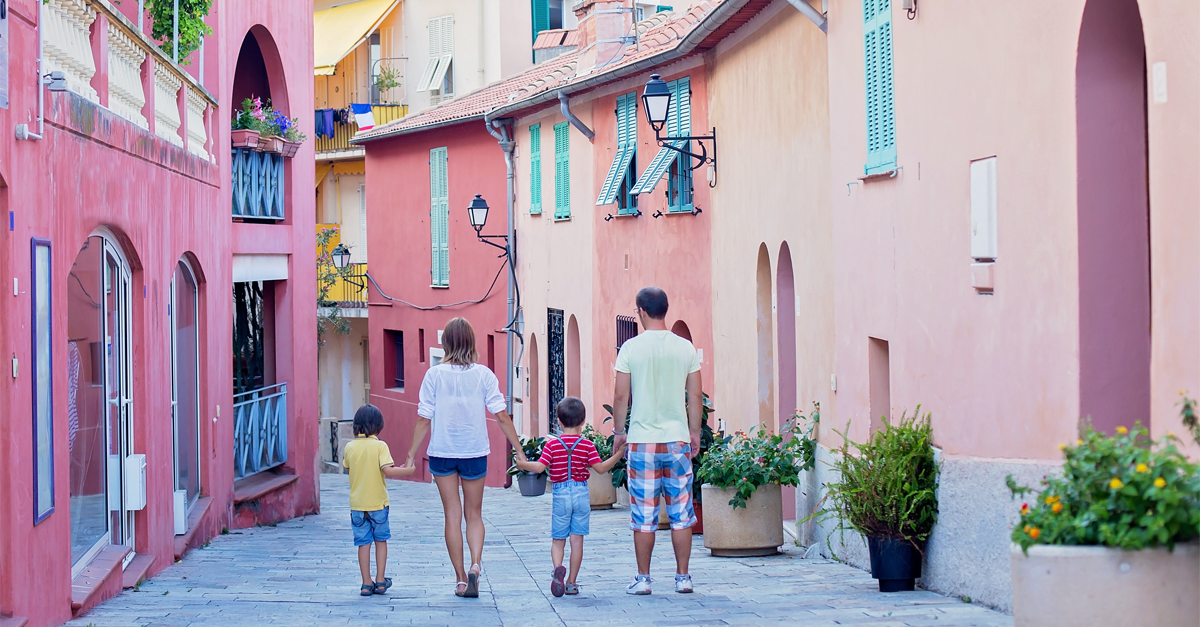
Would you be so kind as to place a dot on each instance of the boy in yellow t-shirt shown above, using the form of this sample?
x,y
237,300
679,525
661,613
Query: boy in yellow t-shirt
x,y
369,461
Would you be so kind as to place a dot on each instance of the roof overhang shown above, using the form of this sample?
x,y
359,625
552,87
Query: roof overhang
x,y
337,31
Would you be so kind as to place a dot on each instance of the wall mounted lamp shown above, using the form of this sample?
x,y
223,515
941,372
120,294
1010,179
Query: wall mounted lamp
x,y
656,100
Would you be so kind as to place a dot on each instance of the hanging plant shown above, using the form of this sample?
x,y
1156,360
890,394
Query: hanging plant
x,y
191,25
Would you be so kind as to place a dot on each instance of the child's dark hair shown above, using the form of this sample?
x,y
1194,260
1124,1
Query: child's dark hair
x,y
368,420
571,412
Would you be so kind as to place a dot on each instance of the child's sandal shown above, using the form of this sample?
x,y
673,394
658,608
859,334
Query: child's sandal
x,y
571,589
381,587
367,590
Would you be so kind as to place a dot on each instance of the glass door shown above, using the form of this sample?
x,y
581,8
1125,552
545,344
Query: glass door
x,y
118,393
185,381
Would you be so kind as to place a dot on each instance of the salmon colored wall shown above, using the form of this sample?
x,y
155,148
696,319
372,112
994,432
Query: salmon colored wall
x,y
399,240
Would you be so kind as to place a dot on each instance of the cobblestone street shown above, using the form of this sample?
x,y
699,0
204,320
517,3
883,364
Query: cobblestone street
x,y
303,572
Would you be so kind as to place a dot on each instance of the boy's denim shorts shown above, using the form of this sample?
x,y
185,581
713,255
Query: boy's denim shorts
x,y
572,507
370,526
466,469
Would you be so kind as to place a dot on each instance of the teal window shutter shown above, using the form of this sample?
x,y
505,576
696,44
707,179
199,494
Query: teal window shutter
x,y
439,218
540,10
562,171
626,148
679,181
679,124
881,112
661,8
535,169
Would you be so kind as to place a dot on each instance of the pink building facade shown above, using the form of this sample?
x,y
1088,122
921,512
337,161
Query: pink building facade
x,y
139,419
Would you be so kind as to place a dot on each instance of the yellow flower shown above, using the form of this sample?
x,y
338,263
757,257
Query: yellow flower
x,y
1116,484
1034,533
1160,482
1027,528
1052,499
1142,468
1056,508
1062,447
1122,430
1078,442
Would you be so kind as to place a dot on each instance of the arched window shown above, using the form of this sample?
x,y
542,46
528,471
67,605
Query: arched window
x,y
185,381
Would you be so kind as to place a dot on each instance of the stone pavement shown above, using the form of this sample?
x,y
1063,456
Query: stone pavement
x,y
304,572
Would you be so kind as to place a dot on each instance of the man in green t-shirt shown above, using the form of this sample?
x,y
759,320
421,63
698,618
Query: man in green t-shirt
x,y
657,367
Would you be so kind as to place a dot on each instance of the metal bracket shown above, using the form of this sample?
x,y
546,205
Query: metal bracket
x,y
701,159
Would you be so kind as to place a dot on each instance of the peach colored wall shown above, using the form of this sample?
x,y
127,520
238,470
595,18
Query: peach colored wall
x,y
1000,373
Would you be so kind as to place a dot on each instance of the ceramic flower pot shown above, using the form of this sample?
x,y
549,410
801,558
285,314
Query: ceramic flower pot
x,y
290,149
1069,586
532,485
895,562
244,138
271,144
754,530
601,490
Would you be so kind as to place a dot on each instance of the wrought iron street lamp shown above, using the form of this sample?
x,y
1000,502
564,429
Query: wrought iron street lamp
x,y
341,256
656,100
478,212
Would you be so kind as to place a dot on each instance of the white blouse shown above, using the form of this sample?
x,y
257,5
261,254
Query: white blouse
x,y
453,398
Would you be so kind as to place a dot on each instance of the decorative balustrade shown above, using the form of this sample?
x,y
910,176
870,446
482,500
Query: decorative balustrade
x,y
257,179
179,99
259,429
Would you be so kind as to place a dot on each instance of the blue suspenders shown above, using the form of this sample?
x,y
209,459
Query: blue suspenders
x,y
570,453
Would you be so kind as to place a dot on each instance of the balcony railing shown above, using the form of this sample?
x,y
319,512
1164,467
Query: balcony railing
x,y
83,35
351,290
257,179
343,132
259,429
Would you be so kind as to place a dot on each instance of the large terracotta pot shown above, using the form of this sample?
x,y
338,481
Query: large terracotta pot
x,y
601,490
1069,586
752,531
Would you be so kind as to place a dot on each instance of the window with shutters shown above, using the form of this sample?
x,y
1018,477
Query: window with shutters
x,y
547,15
679,124
622,174
535,169
562,171
881,113
438,78
439,218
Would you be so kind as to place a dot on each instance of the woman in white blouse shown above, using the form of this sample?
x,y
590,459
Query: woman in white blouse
x,y
454,397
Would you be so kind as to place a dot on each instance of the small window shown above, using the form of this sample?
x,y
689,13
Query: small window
x,y
627,329
394,354
491,352
421,345
627,201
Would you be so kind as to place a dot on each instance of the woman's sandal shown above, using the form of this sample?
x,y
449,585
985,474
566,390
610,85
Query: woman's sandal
x,y
457,593
473,581
367,590
381,587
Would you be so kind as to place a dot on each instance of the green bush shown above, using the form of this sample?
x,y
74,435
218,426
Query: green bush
x,y
746,461
533,451
1124,491
887,487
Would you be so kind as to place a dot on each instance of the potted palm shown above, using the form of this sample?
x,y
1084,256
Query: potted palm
x,y
600,486
742,477
887,491
1123,516
529,483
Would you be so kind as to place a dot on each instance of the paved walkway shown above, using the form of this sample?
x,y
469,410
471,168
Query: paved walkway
x,y
304,572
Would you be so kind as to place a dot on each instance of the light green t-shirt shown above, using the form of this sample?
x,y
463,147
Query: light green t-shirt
x,y
658,363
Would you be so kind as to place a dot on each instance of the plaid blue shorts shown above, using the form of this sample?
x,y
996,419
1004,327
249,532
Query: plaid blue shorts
x,y
660,469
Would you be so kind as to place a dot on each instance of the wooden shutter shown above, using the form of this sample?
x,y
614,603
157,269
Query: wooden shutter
x,y
535,169
626,148
881,114
439,218
541,16
679,124
434,30
562,171
446,53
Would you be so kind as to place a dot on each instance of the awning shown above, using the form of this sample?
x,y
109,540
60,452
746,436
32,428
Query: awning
x,y
339,30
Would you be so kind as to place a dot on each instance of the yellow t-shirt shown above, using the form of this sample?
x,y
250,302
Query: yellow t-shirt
x,y
365,456
658,364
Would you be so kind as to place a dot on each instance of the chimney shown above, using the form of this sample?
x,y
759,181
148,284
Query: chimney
x,y
605,29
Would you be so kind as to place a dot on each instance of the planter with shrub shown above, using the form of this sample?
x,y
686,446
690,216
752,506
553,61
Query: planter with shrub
x,y
1113,541
265,129
529,483
600,486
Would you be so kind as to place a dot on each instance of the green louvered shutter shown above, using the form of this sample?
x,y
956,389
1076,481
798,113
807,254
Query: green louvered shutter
x,y
881,113
439,218
562,171
541,16
535,169
626,148
680,181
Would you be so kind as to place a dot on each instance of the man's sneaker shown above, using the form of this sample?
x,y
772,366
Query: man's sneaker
x,y
640,585
683,584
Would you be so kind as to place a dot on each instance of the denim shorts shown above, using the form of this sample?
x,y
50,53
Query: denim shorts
x,y
466,469
572,510
370,526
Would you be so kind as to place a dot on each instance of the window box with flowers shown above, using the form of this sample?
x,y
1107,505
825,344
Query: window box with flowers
x,y
742,477
265,129
1113,540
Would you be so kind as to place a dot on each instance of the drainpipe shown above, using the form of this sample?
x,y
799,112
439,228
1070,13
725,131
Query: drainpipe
x,y
564,103
507,145
23,129
811,13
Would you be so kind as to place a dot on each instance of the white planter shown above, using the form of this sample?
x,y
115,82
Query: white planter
x,y
752,531
1068,586
601,490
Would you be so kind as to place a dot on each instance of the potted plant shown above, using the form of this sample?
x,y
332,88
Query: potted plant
x,y
887,491
600,486
1113,540
742,475
707,438
290,131
247,126
387,79
530,484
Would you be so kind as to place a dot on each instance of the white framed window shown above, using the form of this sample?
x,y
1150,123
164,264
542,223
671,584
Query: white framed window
x,y
437,76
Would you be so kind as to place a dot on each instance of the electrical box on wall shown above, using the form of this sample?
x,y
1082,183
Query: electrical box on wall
x,y
135,482
983,209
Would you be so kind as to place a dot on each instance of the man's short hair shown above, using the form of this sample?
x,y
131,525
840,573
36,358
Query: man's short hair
x,y
571,412
653,301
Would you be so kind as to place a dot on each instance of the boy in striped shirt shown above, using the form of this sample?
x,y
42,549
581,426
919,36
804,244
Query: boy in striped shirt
x,y
568,457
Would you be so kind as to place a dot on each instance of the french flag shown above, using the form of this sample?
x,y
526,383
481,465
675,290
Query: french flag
x,y
363,116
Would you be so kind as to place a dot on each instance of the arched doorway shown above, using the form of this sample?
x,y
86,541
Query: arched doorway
x,y
185,380
1114,216
681,329
766,353
534,397
99,399
574,362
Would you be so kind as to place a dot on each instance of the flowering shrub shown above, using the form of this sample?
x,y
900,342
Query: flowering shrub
x,y
746,461
1123,491
256,116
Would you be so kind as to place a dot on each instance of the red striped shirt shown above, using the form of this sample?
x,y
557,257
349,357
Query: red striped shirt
x,y
554,456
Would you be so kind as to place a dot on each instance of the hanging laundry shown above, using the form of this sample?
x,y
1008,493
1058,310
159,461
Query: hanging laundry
x,y
363,116
327,117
